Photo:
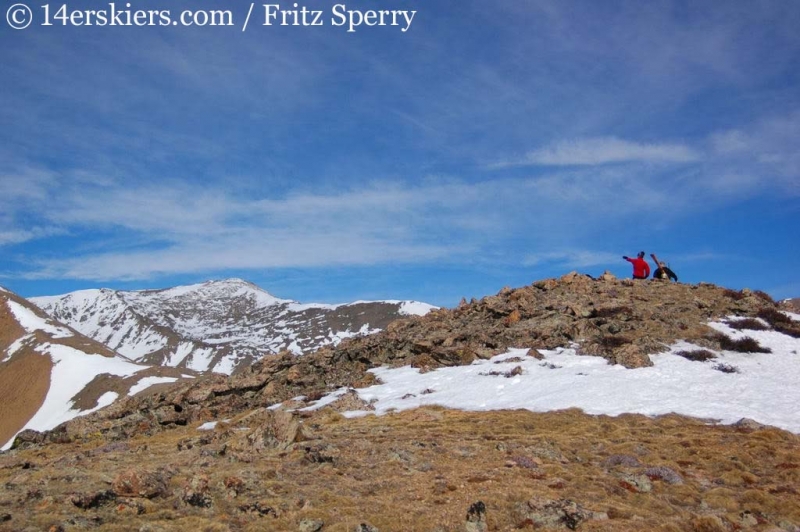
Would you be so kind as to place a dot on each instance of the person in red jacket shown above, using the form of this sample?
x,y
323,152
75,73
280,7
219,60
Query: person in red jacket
x,y
641,270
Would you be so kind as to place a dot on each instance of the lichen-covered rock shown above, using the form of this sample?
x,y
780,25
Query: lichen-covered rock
x,y
632,356
139,483
311,525
197,493
562,513
636,483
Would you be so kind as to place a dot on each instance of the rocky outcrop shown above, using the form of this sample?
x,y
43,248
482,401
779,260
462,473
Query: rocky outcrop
x,y
621,320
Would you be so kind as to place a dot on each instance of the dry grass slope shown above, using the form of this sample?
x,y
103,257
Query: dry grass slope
x,y
415,471
24,380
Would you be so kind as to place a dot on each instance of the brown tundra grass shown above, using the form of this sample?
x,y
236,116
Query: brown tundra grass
x,y
419,470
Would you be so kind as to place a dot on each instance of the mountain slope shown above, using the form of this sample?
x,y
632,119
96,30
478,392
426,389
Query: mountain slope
x,y
621,321
219,326
275,447
50,373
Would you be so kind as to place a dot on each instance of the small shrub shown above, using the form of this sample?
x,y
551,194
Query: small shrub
x,y
742,345
773,316
792,329
698,355
765,296
726,368
733,294
751,324
780,322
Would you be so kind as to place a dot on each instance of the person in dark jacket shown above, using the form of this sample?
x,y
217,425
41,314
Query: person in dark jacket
x,y
663,272
641,270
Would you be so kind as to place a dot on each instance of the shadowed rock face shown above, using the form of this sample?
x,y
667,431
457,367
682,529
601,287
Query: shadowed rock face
x,y
620,320
220,326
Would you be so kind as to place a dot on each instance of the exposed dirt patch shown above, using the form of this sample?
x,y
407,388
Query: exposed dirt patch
x,y
24,381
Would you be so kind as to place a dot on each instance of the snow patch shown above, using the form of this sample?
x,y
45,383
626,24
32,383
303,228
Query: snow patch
x,y
72,371
31,322
147,382
764,389
226,365
183,350
211,425
102,402
336,338
416,308
200,359
18,344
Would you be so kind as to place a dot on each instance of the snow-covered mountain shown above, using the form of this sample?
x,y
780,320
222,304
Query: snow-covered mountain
x,y
217,326
50,373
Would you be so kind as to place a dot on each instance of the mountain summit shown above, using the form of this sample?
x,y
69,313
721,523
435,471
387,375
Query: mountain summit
x,y
220,326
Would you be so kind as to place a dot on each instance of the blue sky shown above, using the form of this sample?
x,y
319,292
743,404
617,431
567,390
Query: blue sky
x,y
492,144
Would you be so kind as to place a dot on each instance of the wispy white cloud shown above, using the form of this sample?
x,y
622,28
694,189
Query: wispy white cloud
x,y
573,258
605,150
176,226
764,154
173,228
256,249
18,236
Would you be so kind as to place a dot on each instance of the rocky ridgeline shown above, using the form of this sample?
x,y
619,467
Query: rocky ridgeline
x,y
620,320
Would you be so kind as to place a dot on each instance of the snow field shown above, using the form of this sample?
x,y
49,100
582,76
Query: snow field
x,y
764,388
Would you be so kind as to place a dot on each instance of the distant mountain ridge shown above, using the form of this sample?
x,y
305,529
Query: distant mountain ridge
x,y
50,373
220,326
